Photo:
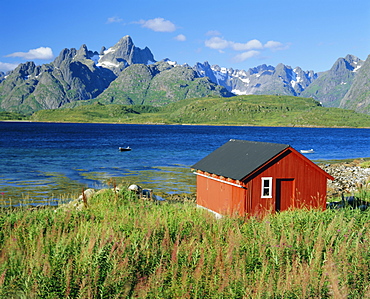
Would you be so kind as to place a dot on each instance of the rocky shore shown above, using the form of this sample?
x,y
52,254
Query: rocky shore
x,y
349,177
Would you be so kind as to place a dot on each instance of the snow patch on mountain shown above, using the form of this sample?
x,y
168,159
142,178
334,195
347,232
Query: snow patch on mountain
x,y
357,67
107,64
263,79
110,50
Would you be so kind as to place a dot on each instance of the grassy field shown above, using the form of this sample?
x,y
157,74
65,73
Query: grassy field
x,y
122,247
252,110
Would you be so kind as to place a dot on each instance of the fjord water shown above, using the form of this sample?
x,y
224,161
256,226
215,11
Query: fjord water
x,y
39,161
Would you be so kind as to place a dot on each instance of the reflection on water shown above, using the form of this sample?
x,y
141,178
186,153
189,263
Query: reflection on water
x,y
52,188
44,162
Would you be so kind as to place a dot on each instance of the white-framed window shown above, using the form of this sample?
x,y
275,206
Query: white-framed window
x,y
266,190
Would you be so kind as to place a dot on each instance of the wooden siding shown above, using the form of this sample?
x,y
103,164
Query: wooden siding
x,y
220,197
296,183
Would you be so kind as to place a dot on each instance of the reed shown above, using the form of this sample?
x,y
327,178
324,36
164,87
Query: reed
x,y
121,247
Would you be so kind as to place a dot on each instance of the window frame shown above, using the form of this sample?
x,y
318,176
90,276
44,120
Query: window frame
x,y
269,187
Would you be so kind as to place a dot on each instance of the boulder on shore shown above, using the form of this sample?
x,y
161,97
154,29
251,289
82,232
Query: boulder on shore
x,y
349,177
79,203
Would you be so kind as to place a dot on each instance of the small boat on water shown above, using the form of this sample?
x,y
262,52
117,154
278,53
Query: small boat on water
x,y
124,149
310,151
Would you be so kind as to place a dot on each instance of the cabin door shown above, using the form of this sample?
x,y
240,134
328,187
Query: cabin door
x,y
284,194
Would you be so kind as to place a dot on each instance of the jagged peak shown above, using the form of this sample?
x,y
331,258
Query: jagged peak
x,y
102,50
82,51
126,38
352,58
83,48
123,54
342,64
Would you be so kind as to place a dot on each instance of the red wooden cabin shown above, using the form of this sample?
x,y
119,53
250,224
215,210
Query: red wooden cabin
x,y
253,178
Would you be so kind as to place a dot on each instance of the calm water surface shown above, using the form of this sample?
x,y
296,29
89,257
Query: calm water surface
x,y
38,161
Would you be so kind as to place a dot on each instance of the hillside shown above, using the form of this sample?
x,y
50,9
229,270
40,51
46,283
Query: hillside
x,y
358,95
122,74
158,84
252,110
125,74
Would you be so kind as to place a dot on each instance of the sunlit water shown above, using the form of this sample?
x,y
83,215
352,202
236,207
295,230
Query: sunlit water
x,y
41,161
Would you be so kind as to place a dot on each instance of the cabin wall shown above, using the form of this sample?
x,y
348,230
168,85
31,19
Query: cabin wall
x,y
296,183
220,197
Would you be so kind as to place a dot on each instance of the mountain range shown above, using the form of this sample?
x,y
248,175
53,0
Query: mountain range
x,y
126,74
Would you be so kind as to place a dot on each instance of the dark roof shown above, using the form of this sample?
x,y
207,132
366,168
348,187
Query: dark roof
x,y
238,158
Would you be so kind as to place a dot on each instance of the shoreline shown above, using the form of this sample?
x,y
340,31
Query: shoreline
x,y
82,175
182,124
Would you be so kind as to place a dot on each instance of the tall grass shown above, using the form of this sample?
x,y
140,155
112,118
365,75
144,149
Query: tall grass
x,y
121,247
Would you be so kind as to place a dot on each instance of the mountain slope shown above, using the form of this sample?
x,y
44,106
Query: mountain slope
x,y
126,74
331,86
158,84
73,76
358,96
259,80
123,54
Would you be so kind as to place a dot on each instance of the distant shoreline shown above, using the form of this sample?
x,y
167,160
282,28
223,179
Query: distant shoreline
x,y
182,124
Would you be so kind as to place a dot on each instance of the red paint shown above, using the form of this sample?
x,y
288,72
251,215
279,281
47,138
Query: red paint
x,y
297,182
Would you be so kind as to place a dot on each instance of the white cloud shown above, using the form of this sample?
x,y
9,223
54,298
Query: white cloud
x,y
158,25
276,46
245,55
213,33
114,20
39,53
217,43
249,48
252,44
180,38
5,67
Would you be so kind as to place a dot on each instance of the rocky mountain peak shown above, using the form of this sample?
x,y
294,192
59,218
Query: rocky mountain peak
x,y
123,54
84,74
64,55
358,96
263,79
352,59
102,50
261,68
331,86
84,53
125,42
348,63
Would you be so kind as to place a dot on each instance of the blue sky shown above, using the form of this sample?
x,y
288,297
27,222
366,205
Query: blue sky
x,y
237,34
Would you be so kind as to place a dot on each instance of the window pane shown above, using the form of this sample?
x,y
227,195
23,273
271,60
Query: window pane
x,y
266,187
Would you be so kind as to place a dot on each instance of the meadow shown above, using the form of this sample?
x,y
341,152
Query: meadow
x,y
118,246
250,110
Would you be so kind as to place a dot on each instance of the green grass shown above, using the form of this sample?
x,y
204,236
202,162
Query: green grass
x,y
250,110
12,116
121,247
